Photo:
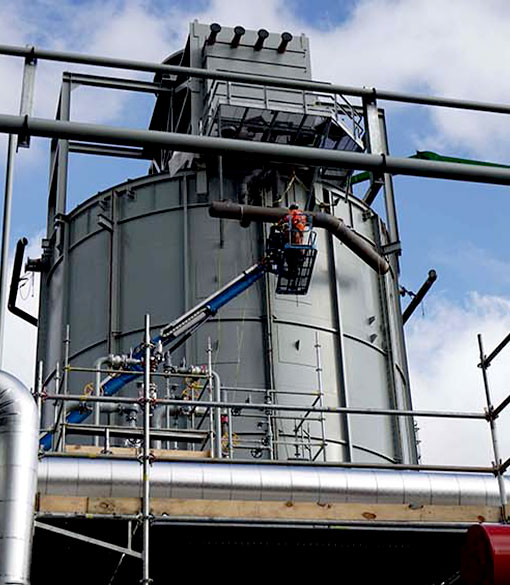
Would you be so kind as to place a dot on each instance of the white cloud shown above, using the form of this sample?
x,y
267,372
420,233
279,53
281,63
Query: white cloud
x,y
443,355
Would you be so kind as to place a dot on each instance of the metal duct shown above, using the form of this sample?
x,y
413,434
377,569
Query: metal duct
x,y
19,443
334,225
263,482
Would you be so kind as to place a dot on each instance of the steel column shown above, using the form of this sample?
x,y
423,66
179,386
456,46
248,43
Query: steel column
x,y
6,232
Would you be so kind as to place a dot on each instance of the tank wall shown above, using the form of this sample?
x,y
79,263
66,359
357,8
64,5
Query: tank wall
x,y
165,254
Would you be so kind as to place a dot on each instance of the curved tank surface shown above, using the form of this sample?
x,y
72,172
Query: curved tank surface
x,y
149,246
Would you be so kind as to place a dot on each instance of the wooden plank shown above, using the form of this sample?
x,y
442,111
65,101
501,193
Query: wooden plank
x,y
272,510
114,505
132,452
62,504
313,511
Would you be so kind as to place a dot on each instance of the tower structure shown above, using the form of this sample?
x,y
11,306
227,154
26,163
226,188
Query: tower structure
x,y
149,245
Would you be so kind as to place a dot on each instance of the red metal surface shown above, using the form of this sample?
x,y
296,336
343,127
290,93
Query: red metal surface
x,y
486,555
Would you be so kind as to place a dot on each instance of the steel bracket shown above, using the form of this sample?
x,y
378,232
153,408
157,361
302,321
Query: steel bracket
x,y
62,531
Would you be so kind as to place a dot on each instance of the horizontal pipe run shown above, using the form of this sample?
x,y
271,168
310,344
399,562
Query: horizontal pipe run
x,y
323,484
283,407
318,86
334,225
376,163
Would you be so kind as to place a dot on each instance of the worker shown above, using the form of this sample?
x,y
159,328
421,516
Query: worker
x,y
294,222
292,226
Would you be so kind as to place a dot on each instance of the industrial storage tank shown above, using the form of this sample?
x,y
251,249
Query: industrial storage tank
x,y
150,246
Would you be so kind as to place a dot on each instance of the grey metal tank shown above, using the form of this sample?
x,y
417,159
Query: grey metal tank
x,y
149,246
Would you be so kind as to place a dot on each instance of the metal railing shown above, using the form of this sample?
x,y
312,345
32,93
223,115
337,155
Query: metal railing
x,y
326,104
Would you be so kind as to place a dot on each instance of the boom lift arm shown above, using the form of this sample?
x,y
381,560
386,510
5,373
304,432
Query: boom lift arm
x,y
175,333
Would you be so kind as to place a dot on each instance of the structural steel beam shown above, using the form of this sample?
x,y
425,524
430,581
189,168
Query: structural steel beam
x,y
33,52
378,163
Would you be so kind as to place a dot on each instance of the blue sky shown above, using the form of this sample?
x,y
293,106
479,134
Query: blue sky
x,y
434,47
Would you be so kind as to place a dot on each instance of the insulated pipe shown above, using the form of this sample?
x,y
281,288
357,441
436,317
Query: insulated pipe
x,y
334,225
296,155
19,443
322,484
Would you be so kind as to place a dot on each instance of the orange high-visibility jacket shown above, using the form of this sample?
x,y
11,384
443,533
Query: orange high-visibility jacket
x,y
297,220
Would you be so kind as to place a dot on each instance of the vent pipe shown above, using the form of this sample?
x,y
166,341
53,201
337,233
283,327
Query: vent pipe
x,y
286,38
262,35
236,39
215,29
19,443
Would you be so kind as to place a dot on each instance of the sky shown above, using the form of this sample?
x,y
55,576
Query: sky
x,y
457,48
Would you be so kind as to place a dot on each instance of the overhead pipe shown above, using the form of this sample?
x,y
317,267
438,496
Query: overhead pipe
x,y
334,225
296,155
301,84
218,480
19,443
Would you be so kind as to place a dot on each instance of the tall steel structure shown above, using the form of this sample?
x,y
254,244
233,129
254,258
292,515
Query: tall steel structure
x,y
149,245
181,390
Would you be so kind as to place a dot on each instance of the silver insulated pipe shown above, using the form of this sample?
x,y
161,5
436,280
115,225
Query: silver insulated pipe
x,y
19,444
264,482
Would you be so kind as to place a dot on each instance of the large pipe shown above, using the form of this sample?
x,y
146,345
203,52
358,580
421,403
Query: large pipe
x,y
296,155
19,443
302,84
332,224
78,476
16,277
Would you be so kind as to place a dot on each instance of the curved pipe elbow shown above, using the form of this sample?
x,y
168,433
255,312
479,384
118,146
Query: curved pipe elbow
x,y
18,478
332,224
350,238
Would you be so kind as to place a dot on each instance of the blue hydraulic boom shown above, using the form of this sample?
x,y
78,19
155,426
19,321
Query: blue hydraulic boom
x,y
294,266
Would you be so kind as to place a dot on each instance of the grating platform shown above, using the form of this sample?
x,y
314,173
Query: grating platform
x,y
296,273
